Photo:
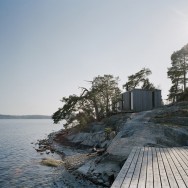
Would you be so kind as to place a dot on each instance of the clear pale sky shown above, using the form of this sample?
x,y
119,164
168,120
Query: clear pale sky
x,y
49,47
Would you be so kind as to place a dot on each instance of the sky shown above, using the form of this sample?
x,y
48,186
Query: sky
x,y
50,48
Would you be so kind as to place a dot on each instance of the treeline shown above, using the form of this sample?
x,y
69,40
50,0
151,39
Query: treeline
x,y
178,75
100,99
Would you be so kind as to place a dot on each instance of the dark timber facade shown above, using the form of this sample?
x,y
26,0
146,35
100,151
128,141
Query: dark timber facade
x,y
140,100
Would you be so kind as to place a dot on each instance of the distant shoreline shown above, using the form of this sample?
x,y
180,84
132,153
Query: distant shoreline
x,y
24,117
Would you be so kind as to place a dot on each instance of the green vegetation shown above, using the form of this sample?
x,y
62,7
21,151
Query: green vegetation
x,y
93,104
139,78
107,131
100,100
177,73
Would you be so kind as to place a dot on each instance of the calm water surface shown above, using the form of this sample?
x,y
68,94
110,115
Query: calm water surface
x,y
19,162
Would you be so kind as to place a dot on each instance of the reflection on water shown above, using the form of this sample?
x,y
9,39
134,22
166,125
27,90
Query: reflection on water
x,y
19,162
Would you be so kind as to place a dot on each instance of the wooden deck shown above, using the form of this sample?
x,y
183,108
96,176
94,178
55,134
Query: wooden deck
x,y
149,167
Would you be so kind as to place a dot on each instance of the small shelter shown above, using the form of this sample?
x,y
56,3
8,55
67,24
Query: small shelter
x,y
140,100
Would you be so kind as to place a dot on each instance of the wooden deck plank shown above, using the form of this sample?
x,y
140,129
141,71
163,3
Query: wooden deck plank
x,y
129,175
164,179
179,164
183,153
156,174
169,170
148,167
175,170
119,179
143,171
136,175
182,156
149,175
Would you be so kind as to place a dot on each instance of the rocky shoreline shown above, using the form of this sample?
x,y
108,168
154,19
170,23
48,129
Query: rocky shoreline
x,y
126,131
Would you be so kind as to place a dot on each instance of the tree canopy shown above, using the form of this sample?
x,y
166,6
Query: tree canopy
x,y
92,104
178,72
138,78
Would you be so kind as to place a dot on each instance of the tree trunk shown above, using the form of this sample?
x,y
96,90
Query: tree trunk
x,y
184,74
107,105
96,109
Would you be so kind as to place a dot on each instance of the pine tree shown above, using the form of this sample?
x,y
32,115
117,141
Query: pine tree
x,y
178,72
93,104
139,78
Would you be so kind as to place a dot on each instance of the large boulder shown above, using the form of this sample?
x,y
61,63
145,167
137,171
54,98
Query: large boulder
x,y
88,139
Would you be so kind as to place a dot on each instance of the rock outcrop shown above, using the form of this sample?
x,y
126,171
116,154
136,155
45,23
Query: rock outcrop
x,y
163,127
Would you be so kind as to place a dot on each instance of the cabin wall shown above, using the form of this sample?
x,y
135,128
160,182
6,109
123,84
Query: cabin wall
x,y
157,98
126,101
140,100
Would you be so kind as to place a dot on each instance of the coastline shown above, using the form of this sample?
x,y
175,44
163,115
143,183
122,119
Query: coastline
x,y
148,128
78,156
71,159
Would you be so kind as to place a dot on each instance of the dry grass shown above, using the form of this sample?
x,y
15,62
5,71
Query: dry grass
x,y
51,162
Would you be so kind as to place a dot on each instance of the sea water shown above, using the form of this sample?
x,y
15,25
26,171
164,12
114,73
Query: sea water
x,y
19,162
